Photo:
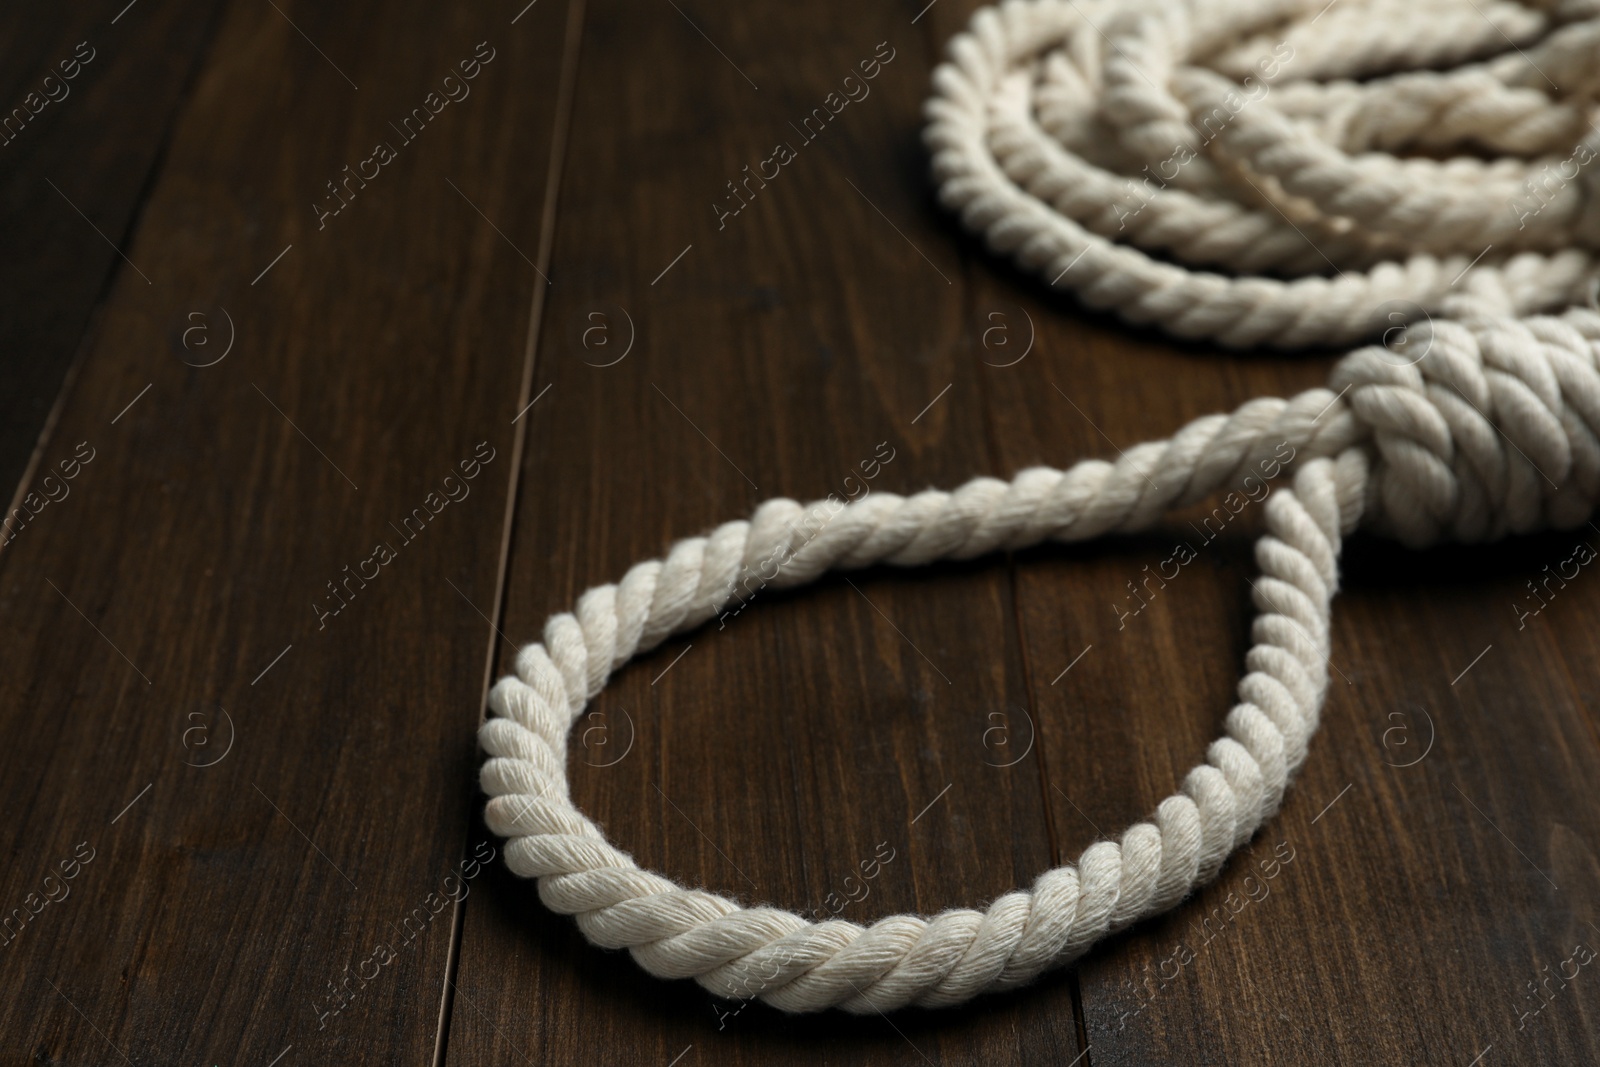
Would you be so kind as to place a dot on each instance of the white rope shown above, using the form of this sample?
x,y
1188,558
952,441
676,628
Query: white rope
x,y
1192,130
1488,424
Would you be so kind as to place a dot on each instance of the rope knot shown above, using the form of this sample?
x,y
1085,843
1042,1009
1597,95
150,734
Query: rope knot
x,y
1480,426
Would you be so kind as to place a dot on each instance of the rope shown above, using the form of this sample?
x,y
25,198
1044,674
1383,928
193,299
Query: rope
x,y
1465,429
1060,128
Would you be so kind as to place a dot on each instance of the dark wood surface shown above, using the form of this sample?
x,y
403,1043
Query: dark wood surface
x,y
276,800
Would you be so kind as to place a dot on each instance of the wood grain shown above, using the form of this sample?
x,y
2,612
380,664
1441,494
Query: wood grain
x,y
69,193
556,267
177,580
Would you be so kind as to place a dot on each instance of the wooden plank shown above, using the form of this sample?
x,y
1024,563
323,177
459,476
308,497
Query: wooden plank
x,y
774,353
215,912
97,98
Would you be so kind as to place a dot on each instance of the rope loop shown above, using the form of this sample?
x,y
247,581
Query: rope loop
x,y
797,965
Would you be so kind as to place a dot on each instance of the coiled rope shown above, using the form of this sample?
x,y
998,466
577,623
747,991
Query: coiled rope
x,y
1194,130
1468,429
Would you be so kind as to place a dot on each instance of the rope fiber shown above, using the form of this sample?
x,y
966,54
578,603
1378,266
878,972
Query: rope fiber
x,y
1480,418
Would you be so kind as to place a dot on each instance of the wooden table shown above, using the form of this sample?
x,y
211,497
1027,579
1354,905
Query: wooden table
x,y
273,284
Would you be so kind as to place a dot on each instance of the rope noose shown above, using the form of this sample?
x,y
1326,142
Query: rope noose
x,y
1477,424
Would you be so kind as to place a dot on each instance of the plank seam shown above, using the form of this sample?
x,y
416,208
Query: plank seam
x,y
565,105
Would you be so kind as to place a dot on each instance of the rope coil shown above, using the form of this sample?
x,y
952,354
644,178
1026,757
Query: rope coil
x,y
1466,429
1060,128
